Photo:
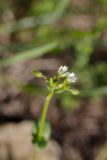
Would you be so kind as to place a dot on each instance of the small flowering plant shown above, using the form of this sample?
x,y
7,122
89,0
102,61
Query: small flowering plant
x,y
62,81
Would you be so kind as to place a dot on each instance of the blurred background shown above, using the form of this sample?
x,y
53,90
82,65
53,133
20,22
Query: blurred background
x,y
43,35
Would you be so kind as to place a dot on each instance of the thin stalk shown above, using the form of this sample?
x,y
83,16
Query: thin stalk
x,y
43,115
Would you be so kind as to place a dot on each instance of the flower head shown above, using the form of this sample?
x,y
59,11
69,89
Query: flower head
x,y
72,77
62,70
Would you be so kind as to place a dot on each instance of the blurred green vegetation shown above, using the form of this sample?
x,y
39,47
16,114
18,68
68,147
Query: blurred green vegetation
x,y
32,29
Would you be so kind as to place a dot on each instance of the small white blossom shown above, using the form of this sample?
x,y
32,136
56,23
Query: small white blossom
x,y
72,77
63,70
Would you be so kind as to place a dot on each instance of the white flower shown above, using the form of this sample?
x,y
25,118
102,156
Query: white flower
x,y
72,77
63,70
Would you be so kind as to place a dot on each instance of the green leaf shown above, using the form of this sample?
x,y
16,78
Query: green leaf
x,y
38,74
40,142
74,91
59,91
51,82
28,54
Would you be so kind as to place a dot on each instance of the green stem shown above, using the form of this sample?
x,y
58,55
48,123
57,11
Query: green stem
x,y
43,115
